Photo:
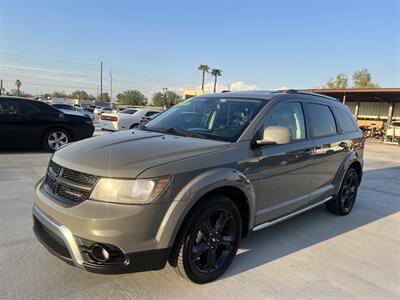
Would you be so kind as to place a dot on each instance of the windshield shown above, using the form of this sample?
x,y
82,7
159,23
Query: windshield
x,y
221,119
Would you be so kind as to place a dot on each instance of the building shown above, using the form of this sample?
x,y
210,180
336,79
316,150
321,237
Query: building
x,y
371,107
191,93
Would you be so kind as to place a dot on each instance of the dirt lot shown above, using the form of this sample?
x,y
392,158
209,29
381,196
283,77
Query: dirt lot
x,y
315,255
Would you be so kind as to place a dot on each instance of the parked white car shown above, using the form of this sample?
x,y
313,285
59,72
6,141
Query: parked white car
x,y
126,119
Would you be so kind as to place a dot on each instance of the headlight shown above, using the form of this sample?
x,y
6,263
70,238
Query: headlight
x,y
137,191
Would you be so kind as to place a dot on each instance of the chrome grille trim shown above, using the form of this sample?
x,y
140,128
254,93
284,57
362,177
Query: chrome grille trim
x,y
68,190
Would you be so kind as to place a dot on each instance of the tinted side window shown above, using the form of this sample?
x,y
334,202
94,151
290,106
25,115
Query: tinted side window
x,y
288,115
345,121
8,108
322,120
41,106
26,108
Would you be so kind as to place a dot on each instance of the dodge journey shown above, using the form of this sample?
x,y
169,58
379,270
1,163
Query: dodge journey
x,y
186,187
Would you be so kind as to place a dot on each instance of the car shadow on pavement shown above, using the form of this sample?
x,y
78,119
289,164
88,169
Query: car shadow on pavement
x,y
22,150
378,197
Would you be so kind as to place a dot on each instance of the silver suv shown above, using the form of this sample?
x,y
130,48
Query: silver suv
x,y
190,184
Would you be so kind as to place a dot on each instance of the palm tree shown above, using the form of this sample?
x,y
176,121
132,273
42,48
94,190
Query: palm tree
x,y
203,69
216,73
18,83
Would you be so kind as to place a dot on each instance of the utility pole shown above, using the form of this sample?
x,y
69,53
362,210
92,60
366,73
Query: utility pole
x,y
101,83
1,86
165,97
111,98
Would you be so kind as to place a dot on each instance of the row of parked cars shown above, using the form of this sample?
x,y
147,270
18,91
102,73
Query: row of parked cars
x,y
128,118
27,122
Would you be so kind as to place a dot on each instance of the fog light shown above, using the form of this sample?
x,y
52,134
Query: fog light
x,y
99,253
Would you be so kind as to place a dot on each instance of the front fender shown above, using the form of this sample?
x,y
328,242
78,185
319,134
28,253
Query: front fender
x,y
194,191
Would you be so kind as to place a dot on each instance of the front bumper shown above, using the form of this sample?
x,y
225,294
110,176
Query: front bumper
x,y
60,241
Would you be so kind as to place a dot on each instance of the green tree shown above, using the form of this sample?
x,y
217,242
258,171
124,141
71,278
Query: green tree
x,y
168,99
105,98
340,82
18,93
204,69
56,94
131,97
79,95
18,84
216,73
363,79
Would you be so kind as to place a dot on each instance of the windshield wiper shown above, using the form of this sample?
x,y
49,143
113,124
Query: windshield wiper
x,y
178,131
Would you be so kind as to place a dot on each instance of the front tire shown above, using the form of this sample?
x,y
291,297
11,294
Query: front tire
x,y
343,202
208,241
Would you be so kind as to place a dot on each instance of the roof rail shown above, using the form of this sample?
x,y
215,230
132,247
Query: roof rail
x,y
293,91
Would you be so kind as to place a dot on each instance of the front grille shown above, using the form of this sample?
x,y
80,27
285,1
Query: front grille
x,y
73,194
50,239
51,183
55,168
80,177
68,186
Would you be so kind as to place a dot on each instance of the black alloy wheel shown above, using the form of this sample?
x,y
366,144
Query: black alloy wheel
x,y
344,202
208,240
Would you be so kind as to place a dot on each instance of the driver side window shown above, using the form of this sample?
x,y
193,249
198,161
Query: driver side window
x,y
289,115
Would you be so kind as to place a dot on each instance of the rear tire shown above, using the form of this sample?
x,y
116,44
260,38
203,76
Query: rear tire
x,y
55,138
208,240
343,202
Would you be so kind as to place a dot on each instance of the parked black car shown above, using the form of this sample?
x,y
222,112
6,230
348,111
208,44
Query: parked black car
x,y
27,122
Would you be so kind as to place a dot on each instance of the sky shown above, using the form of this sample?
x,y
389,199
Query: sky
x,y
148,45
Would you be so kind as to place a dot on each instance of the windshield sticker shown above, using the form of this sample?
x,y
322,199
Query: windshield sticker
x,y
184,103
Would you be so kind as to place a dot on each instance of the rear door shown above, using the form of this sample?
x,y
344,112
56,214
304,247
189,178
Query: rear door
x,y
285,171
330,146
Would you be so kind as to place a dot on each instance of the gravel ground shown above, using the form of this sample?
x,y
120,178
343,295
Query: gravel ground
x,y
315,255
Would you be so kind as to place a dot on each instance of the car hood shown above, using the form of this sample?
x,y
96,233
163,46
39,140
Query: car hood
x,y
129,153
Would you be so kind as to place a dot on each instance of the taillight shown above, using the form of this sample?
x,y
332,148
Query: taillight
x,y
109,118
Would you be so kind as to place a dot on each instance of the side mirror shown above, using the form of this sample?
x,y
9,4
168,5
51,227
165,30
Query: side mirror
x,y
275,135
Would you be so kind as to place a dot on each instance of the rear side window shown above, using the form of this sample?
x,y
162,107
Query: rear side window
x,y
322,120
44,107
26,108
345,121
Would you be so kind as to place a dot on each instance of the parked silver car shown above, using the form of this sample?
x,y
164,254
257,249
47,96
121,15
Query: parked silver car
x,y
195,180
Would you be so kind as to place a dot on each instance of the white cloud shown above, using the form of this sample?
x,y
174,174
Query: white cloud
x,y
242,86
234,86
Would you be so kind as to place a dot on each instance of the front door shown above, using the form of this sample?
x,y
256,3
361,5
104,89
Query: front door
x,y
285,171
10,123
